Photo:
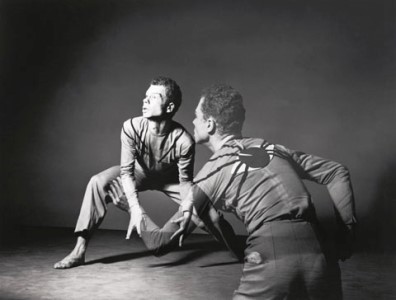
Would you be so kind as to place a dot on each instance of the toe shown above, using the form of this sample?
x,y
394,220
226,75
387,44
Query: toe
x,y
69,263
58,265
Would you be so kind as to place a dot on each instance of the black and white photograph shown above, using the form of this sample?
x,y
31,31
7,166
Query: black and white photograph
x,y
188,150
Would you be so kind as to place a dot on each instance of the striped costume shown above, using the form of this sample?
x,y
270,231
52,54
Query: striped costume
x,y
261,183
149,162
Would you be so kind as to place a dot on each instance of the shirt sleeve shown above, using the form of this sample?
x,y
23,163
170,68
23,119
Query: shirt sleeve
x,y
332,174
200,199
210,182
186,160
128,158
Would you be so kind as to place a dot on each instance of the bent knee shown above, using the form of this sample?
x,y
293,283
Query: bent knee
x,y
104,178
97,182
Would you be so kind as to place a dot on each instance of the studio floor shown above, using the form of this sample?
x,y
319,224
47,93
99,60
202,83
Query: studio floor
x,y
122,269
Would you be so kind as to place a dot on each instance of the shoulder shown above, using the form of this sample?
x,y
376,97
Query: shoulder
x,y
220,162
134,124
249,142
183,136
284,150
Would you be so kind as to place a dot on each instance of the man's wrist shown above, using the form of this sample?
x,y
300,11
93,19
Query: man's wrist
x,y
135,207
187,206
133,202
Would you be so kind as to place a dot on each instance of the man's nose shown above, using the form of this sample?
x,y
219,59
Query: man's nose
x,y
146,100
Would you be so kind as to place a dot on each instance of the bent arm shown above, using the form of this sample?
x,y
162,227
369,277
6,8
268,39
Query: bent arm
x,y
185,166
337,180
128,158
335,176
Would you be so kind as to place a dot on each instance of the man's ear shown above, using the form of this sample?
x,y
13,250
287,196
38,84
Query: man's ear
x,y
170,107
211,126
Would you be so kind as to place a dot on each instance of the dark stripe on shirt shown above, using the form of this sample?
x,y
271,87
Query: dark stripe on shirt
x,y
171,147
216,171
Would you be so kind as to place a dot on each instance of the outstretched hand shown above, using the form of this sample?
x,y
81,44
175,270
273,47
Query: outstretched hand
x,y
137,217
117,195
183,223
136,221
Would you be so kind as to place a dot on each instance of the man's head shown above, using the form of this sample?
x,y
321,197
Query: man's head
x,y
220,110
163,98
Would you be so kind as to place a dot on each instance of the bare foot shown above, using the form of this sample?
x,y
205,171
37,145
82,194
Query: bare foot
x,y
70,261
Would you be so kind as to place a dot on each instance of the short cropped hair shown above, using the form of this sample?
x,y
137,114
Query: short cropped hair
x,y
224,104
173,92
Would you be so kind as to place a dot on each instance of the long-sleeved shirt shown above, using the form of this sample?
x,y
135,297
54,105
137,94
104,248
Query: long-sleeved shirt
x,y
162,159
262,182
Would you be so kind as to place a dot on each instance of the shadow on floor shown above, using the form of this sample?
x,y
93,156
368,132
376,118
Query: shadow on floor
x,y
123,269
192,251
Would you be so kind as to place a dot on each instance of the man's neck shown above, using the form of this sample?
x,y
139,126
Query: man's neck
x,y
217,141
159,127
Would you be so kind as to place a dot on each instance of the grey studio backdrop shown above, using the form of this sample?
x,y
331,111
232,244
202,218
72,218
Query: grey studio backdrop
x,y
316,76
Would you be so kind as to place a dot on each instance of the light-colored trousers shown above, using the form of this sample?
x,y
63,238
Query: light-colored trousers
x,y
96,198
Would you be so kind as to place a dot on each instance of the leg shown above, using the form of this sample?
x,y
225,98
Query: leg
x,y
268,278
284,261
94,206
92,212
76,257
158,240
271,265
173,192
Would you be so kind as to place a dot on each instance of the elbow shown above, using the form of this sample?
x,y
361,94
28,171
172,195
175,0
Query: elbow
x,y
338,173
343,172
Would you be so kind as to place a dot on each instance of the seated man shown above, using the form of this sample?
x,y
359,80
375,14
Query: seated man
x,y
156,154
261,183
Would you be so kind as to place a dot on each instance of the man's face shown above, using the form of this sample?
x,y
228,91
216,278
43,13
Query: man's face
x,y
154,102
200,125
